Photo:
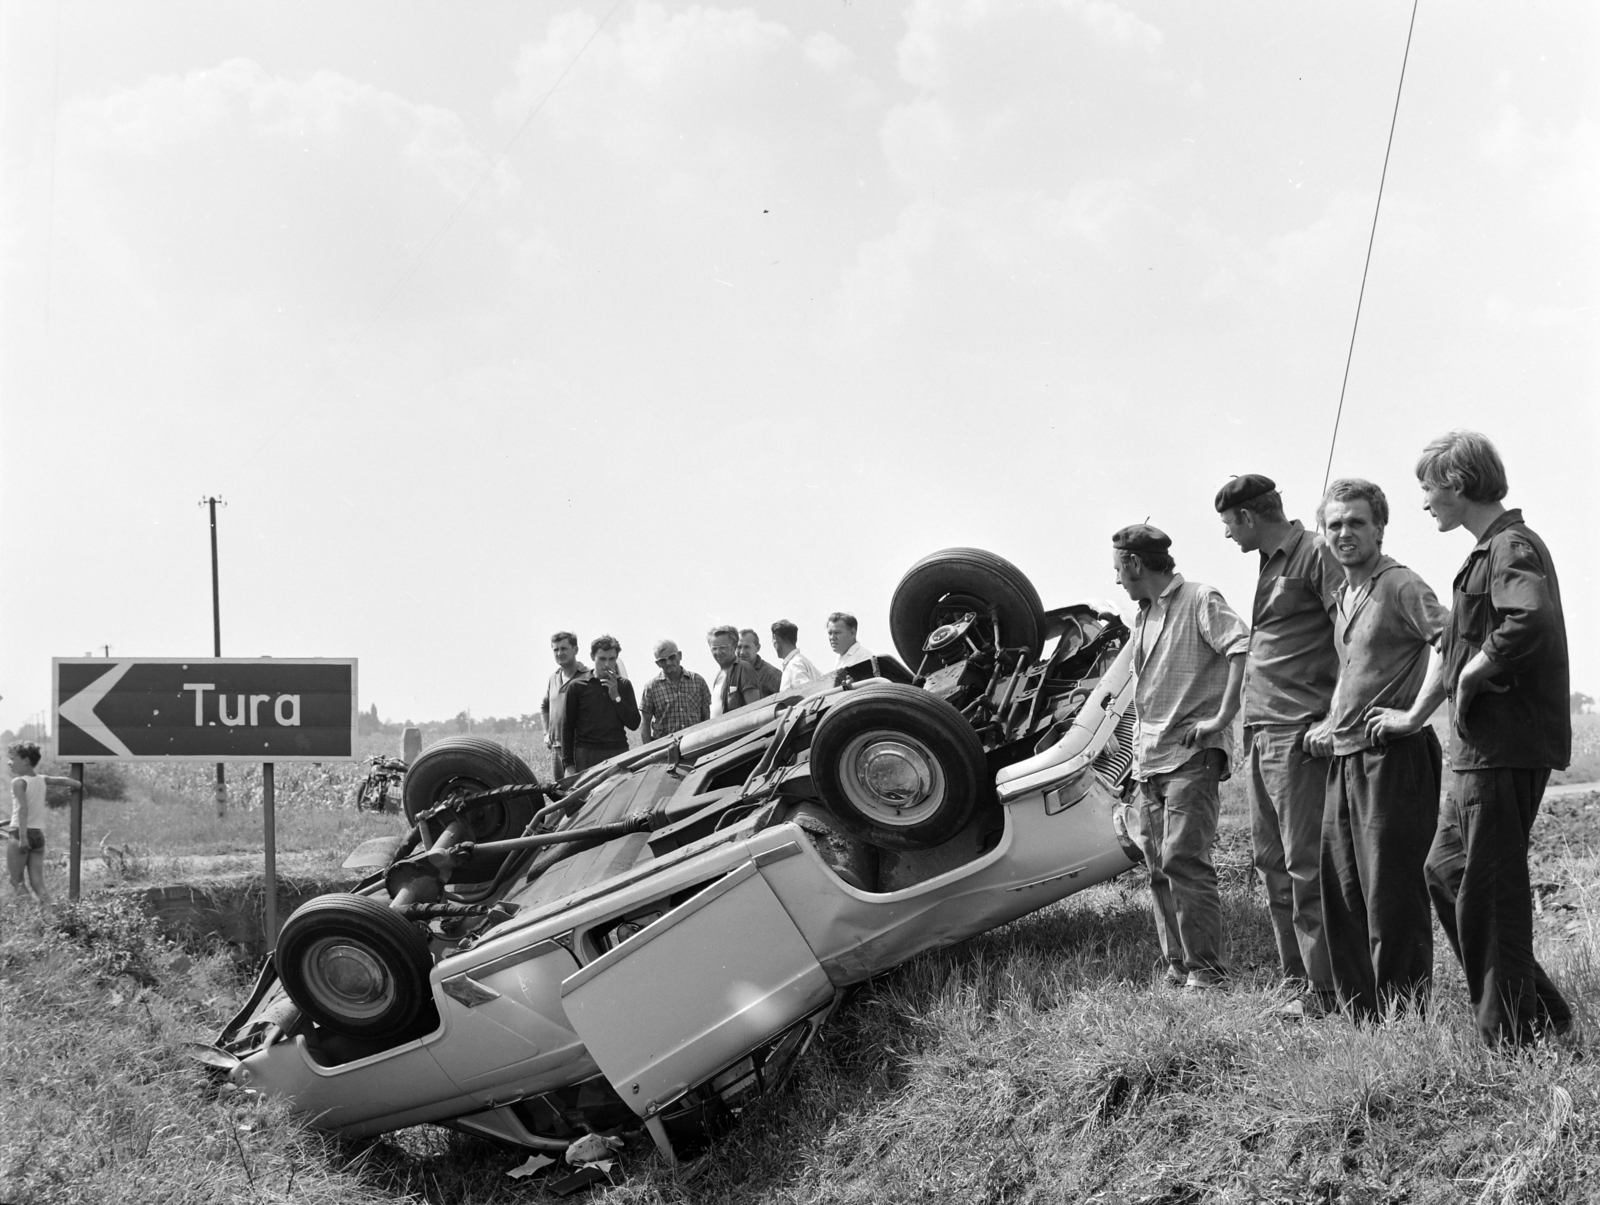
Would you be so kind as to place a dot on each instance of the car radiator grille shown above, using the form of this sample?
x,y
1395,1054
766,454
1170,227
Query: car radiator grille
x,y
1114,761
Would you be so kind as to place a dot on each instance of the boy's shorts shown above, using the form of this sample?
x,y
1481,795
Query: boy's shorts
x,y
35,836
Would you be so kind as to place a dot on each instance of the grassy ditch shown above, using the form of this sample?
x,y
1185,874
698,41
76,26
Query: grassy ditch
x,y
1035,1063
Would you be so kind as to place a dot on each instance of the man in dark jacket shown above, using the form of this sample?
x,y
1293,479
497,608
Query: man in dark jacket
x,y
1504,668
600,710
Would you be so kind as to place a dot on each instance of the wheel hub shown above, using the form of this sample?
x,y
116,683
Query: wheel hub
x,y
347,978
891,776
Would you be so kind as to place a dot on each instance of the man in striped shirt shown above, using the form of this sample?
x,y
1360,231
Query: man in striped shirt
x,y
1188,663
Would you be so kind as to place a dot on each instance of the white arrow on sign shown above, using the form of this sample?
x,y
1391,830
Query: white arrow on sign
x,y
80,709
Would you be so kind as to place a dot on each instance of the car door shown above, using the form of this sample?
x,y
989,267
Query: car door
x,y
695,991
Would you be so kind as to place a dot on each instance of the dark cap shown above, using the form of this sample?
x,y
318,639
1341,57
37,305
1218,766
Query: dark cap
x,y
1141,537
1243,489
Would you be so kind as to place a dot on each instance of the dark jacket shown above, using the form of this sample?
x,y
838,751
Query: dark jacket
x,y
1507,603
593,719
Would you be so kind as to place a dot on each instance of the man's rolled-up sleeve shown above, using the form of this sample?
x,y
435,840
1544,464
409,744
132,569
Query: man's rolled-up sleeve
x,y
1520,594
1221,627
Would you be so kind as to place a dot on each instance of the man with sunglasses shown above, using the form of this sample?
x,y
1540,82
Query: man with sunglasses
x,y
674,699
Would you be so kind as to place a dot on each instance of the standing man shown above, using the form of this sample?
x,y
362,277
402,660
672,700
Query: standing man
x,y
768,676
1288,683
1188,664
568,670
1504,668
735,684
797,667
600,711
1383,784
674,699
842,639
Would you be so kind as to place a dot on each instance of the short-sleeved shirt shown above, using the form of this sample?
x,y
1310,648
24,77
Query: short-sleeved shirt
x,y
1507,603
1182,642
1382,632
856,652
768,676
797,671
727,690
1292,667
671,706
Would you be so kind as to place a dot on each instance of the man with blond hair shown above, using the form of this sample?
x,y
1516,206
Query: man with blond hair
x,y
1504,669
768,676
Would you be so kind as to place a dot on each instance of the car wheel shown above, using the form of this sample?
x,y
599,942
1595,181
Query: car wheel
x,y
973,580
354,966
900,768
464,764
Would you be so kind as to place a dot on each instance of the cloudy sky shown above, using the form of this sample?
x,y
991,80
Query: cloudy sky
x,y
488,319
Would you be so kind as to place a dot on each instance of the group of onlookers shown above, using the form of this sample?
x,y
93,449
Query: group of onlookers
x,y
588,712
1348,655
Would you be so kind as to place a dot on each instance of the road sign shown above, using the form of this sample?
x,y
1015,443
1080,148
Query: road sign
x,y
205,709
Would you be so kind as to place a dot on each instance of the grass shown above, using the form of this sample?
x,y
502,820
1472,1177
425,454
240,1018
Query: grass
x,y
1035,1063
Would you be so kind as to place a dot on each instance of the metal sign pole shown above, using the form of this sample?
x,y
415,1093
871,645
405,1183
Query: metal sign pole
x,y
221,793
270,826
75,837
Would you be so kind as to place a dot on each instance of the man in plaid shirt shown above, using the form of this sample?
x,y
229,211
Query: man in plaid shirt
x,y
674,699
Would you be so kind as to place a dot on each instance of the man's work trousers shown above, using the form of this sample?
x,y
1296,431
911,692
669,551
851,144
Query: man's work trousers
x,y
1177,824
1477,873
1382,808
1287,790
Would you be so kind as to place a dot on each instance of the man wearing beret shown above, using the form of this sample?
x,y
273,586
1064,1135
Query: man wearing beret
x,y
1288,683
1188,661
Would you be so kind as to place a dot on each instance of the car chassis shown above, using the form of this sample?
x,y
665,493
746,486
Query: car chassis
x,y
658,943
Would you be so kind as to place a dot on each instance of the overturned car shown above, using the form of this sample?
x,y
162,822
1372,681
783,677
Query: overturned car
x,y
656,942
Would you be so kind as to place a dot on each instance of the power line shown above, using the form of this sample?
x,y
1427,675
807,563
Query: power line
x,y
1371,238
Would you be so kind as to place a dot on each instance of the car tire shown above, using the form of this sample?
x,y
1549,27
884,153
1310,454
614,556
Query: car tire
x,y
981,580
471,763
898,767
355,966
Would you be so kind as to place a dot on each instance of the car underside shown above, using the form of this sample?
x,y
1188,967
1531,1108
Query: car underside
x,y
655,942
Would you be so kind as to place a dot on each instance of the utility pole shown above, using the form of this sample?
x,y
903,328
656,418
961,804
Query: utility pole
x,y
211,501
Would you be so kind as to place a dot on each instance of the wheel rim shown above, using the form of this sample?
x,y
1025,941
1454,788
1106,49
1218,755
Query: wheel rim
x,y
348,979
893,778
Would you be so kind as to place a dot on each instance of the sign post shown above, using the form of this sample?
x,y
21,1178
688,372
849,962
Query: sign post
x,y
75,834
269,826
217,709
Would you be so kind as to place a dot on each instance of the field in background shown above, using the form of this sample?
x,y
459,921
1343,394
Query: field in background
x,y
168,810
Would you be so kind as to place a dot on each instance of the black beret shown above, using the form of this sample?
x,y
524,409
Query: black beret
x,y
1141,537
1242,489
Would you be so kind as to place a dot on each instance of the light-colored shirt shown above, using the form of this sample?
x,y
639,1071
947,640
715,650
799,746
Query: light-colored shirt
x,y
1382,632
554,707
856,652
28,808
1182,642
1289,676
797,671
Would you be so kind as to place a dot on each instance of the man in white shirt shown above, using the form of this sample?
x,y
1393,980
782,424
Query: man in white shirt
x,y
797,667
842,639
